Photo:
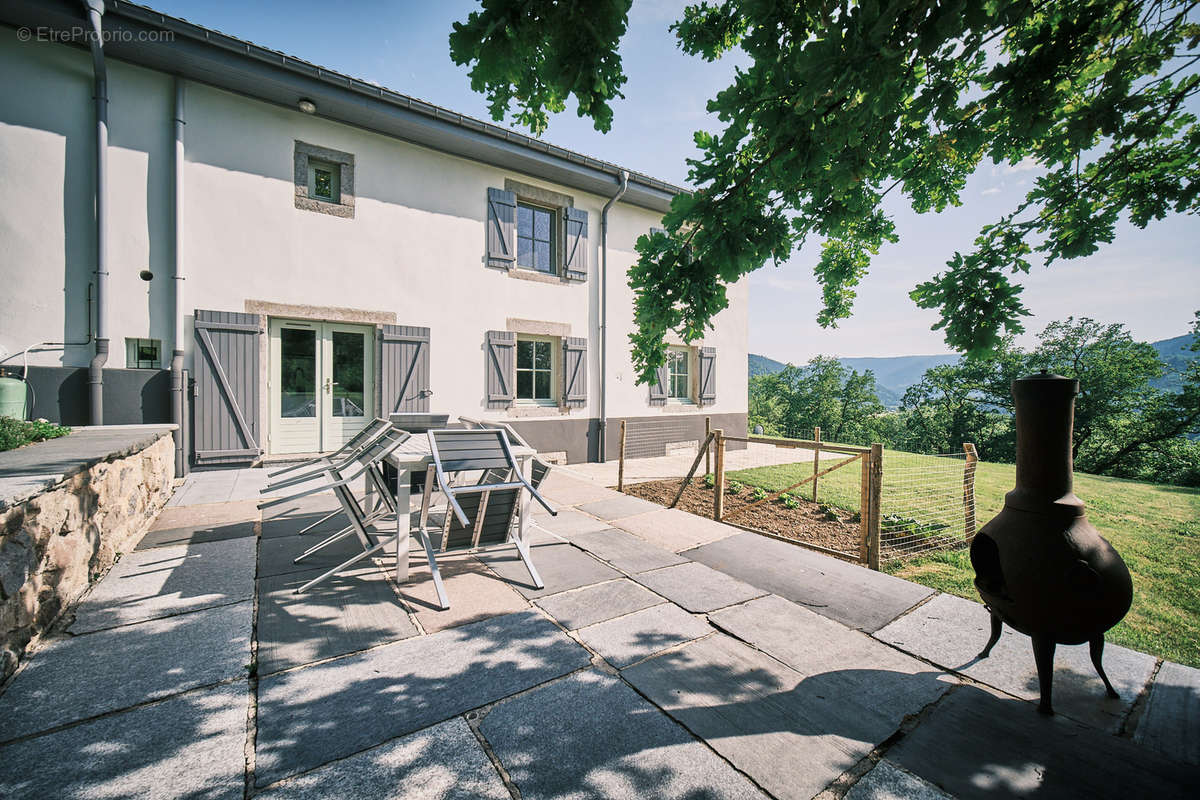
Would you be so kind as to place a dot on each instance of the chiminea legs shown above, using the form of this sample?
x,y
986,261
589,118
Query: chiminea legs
x,y
1043,656
997,627
1097,647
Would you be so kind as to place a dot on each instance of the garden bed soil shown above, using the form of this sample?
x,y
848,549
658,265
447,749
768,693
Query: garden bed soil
x,y
810,523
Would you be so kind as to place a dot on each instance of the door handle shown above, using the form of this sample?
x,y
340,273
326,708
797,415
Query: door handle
x,y
328,385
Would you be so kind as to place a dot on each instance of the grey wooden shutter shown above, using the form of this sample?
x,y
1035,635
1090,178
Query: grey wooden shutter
x,y
708,375
500,368
658,387
403,376
575,254
226,403
501,228
575,369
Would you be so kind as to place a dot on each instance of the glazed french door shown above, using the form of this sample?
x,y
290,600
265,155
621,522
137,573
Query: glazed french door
x,y
320,385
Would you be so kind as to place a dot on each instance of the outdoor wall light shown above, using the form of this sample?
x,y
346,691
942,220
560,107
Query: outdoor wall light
x,y
146,275
307,106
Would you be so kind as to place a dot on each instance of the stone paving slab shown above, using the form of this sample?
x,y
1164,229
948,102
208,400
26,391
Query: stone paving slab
x,y
624,640
473,591
625,551
618,507
442,762
351,611
950,632
562,489
196,740
569,523
592,604
79,677
978,744
619,746
561,566
676,530
199,524
277,555
1171,721
698,588
793,735
313,715
848,593
888,782
222,486
148,584
289,518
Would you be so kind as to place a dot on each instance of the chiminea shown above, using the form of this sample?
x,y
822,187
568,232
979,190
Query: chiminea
x,y
1040,566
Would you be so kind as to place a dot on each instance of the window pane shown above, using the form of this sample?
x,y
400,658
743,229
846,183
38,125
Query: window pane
x,y
298,372
524,252
348,374
524,221
543,355
525,385
542,257
524,355
542,384
323,180
541,225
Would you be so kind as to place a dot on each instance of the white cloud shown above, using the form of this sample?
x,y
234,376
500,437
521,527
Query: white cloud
x,y
1024,165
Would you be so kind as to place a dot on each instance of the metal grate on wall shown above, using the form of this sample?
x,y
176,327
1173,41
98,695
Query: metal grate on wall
x,y
659,438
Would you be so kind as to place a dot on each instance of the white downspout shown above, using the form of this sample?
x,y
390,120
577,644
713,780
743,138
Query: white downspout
x,y
604,314
177,275
95,13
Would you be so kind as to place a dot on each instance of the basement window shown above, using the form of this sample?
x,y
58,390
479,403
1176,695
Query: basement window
x,y
143,354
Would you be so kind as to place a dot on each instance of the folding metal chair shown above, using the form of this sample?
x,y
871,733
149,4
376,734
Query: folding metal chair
x,y
316,465
480,514
538,469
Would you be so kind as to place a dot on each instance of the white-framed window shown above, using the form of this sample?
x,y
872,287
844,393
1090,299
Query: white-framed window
x,y
679,374
535,238
143,354
324,181
537,370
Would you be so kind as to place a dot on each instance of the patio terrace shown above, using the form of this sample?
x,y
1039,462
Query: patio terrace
x,y
668,656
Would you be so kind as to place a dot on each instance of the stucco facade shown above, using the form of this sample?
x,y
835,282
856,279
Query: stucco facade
x,y
413,252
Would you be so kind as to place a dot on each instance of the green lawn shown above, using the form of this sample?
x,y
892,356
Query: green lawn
x,y
1156,529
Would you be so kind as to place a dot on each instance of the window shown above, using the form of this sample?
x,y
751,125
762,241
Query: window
x,y
324,181
536,356
535,238
678,364
143,354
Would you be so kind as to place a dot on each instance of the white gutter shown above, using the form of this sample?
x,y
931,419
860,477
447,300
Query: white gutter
x,y
604,314
95,12
177,382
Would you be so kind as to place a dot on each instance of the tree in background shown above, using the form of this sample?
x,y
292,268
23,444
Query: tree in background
x,y
840,401
845,103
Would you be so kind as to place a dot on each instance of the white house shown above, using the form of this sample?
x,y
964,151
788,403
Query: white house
x,y
295,251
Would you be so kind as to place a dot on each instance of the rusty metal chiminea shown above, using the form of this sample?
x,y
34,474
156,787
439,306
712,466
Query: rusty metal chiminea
x,y
1040,566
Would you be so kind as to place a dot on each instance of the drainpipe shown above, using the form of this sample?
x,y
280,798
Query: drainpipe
x,y
177,383
95,12
604,314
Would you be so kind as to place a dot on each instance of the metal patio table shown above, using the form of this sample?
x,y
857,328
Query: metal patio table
x,y
413,457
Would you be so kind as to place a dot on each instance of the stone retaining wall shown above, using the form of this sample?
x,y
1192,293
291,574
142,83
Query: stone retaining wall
x,y
55,544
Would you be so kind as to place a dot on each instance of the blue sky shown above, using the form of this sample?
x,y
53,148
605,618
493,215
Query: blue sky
x,y
1148,279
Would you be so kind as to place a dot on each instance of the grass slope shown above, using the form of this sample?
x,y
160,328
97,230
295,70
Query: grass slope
x,y
1155,528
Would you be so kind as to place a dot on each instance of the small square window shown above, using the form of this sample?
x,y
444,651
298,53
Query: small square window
x,y
324,181
143,354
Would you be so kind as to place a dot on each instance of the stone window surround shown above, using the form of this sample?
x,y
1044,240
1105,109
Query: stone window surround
x,y
532,327
303,152
547,198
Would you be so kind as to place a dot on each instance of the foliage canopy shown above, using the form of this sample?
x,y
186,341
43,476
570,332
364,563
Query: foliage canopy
x,y
845,103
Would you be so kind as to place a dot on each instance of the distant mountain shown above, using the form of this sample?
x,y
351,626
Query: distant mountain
x,y
894,375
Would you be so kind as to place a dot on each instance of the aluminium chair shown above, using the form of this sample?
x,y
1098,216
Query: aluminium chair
x,y
481,514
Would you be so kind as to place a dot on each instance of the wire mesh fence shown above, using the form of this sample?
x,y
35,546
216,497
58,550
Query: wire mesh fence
x,y
660,438
927,503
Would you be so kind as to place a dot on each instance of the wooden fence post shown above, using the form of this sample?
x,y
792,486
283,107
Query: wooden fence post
x,y
621,463
719,483
816,459
969,490
876,489
707,453
864,509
